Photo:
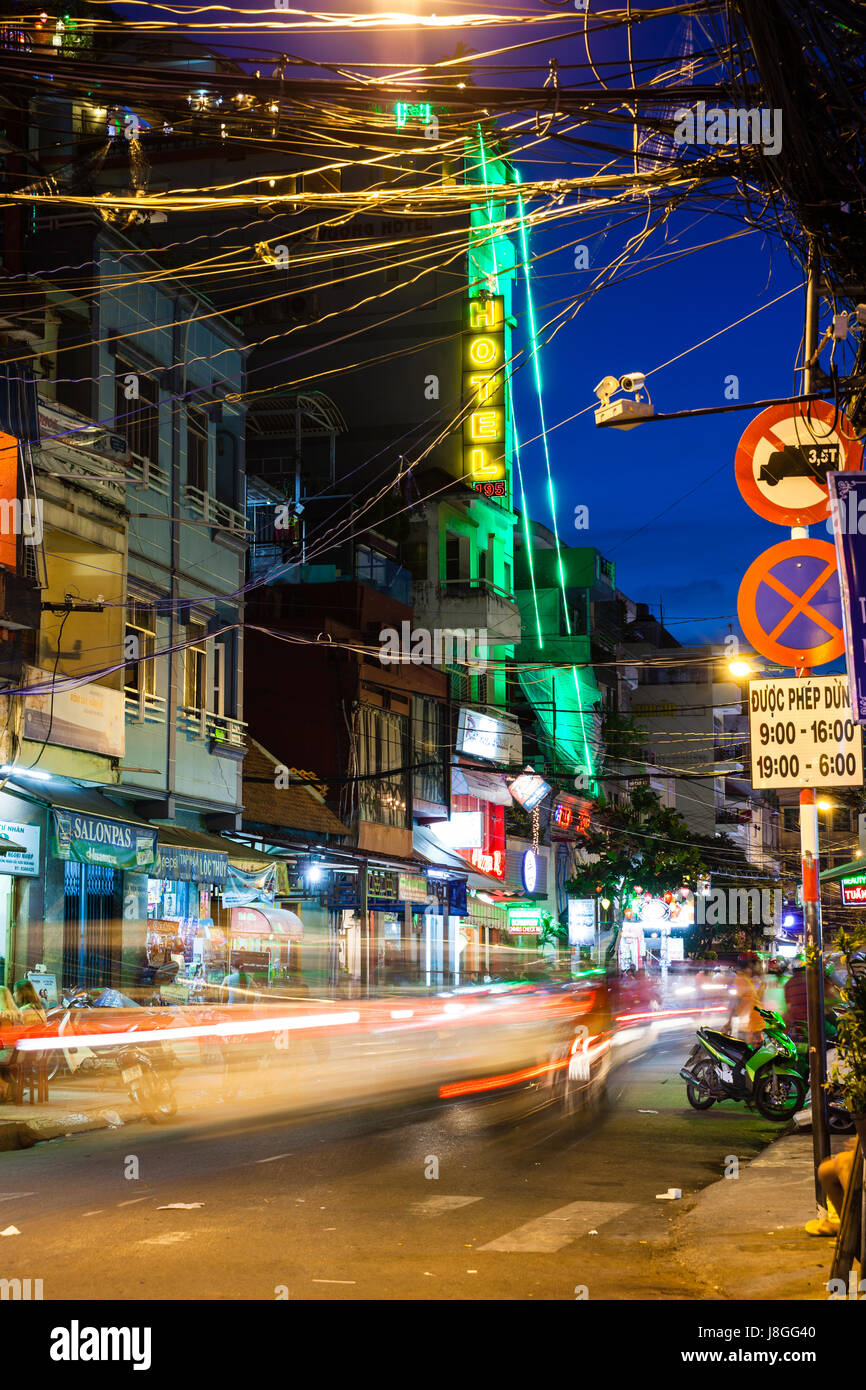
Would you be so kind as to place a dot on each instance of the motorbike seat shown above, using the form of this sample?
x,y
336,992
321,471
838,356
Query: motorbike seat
x,y
731,1047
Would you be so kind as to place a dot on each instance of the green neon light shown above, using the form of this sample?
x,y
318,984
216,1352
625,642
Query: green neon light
x,y
510,398
524,241
404,112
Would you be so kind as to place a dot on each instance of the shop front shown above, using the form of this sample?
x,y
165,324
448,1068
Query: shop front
x,y
265,943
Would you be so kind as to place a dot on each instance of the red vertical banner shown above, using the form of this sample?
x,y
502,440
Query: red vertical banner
x,y
10,511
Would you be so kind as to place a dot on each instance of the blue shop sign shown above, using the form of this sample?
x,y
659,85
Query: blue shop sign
x,y
191,865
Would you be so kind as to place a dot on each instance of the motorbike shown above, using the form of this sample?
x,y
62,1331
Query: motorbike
x,y
143,1070
767,1075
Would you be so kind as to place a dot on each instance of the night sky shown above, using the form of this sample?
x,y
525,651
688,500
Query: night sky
x,y
662,499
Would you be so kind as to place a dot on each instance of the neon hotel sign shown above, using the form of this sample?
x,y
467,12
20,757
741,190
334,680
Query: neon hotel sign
x,y
483,388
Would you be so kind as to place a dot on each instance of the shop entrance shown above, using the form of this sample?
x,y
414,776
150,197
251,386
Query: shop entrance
x,y
91,925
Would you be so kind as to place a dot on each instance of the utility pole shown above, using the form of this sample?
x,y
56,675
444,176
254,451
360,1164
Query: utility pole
x,y
809,857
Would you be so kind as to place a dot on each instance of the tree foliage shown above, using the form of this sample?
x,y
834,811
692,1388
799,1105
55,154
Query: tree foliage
x,y
640,843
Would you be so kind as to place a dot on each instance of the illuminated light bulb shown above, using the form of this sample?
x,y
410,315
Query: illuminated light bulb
x,y
739,668
825,805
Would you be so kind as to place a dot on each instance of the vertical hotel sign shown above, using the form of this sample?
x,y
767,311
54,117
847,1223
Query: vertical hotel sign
x,y
484,395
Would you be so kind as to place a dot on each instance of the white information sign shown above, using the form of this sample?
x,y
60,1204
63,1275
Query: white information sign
x,y
802,733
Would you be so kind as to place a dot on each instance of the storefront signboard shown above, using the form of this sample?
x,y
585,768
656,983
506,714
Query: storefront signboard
x,y
98,840
853,890
242,887
90,717
581,921
26,860
482,736
191,865
412,888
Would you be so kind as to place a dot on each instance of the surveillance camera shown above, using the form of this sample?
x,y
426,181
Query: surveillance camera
x,y
605,388
632,381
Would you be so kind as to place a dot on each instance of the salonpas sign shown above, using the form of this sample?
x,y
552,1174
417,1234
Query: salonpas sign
x,y
98,840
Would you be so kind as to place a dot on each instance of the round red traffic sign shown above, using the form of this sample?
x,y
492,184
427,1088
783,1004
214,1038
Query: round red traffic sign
x,y
784,456
789,603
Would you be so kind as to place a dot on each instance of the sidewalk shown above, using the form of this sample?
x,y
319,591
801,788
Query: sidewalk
x,y
744,1236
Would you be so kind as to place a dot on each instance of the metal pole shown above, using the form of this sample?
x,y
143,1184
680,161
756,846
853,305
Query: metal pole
x,y
809,854
364,917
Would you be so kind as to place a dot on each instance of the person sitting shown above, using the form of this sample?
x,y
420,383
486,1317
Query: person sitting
x,y
9,1018
834,1174
29,1004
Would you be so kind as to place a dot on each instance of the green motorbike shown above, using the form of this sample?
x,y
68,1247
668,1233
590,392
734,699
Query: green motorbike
x,y
767,1075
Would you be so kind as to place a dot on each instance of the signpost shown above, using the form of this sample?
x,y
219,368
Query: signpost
x,y
790,609
802,734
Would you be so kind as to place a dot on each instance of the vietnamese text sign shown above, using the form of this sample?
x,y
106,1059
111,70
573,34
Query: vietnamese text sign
x,y
847,506
24,861
802,733
88,716
853,890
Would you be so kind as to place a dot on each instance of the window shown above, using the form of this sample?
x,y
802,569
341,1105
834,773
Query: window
x,y
140,647
197,449
194,666
137,419
456,557
428,749
225,661
383,747
791,818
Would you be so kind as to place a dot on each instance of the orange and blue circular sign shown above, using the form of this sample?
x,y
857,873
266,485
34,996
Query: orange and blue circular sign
x,y
789,604
784,456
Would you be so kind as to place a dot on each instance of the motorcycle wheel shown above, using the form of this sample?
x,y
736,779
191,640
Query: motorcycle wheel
x,y
154,1097
839,1120
790,1092
699,1097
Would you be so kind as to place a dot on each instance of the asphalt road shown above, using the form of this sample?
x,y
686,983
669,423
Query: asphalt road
x,y
350,1207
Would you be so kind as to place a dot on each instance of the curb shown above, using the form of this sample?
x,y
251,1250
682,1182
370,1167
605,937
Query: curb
x,y
23,1134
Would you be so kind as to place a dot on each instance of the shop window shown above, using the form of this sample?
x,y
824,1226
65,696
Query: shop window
x,y
140,645
197,449
428,749
383,748
138,420
194,666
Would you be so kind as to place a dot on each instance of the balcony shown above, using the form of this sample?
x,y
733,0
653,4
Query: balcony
x,y
142,707
461,604
145,474
219,515
225,736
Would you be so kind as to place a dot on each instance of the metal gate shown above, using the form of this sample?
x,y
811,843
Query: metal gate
x,y
92,925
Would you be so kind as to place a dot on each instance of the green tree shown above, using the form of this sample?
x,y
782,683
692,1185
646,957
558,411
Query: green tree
x,y
639,843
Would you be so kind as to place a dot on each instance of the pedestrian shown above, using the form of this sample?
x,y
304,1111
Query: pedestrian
x,y
834,1174
32,1013
744,1006
235,986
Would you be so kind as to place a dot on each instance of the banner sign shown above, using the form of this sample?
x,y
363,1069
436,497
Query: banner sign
x,y
98,840
23,861
242,888
191,865
483,388
847,498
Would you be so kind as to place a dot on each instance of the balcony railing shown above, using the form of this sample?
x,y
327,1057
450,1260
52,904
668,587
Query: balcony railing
x,y
216,729
142,707
217,514
145,473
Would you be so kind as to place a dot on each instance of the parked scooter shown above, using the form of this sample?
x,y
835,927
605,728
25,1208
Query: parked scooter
x,y
143,1070
768,1076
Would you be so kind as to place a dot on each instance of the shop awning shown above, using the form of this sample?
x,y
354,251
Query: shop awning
x,y
487,786
266,921
90,829
857,866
